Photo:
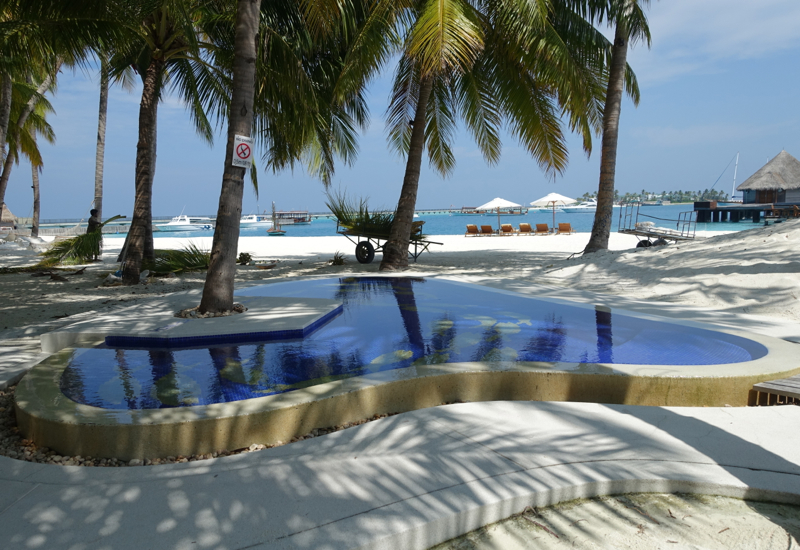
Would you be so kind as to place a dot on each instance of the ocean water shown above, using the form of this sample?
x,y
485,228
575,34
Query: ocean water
x,y
444,224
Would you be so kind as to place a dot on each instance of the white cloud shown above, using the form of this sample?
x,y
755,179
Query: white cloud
x,y
692,36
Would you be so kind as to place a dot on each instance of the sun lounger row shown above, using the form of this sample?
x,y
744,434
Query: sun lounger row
x,y
524,229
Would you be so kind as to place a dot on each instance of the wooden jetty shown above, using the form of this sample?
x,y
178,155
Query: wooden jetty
x,y
785,391
710,211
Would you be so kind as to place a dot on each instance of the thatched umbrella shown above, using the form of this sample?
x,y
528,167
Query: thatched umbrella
x,y
553,200
497,204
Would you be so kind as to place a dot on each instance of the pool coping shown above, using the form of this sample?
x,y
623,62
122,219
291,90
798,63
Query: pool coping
x,y
77,429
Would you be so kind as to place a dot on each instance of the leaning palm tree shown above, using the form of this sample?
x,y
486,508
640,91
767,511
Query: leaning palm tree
x,y
22,139
496,62
49,72
630,25
170,50
33,32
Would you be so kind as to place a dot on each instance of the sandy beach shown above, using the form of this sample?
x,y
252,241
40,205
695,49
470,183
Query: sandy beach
x,y
753,272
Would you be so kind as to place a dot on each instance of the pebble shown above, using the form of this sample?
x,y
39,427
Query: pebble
x,y
14,446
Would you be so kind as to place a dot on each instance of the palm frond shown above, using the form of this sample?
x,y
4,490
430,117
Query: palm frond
x,y
189,258
441,127
447,37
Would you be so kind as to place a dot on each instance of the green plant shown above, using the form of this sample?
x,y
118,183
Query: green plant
x,y
338,258
76,250
244,258
190,258
357,218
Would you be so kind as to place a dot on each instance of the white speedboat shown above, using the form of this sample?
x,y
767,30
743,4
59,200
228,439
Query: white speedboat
x,y
256,220
544,210
186,223
588,206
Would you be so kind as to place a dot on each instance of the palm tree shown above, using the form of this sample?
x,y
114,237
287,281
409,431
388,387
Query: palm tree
x,y
631,24
497,62
21,119
169,49
101,137
306,107
222,265
22,138
31,33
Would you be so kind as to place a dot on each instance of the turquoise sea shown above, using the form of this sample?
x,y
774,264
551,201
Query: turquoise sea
x,y
444,224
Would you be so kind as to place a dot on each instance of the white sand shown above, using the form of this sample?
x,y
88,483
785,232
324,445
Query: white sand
x,y
755,271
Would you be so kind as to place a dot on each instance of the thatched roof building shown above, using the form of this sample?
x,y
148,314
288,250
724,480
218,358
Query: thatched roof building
x,y
777,181
7,219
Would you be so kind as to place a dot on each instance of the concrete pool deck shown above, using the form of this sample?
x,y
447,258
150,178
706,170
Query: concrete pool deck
x,y
416,479
408,481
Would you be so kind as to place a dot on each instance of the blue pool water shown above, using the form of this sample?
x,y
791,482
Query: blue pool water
x,y
389,324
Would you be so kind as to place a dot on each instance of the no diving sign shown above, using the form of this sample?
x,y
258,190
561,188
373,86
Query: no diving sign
x,y
242,151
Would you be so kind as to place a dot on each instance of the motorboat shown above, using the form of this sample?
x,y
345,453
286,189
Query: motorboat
x,y
544,210
255,220
187,223
587,206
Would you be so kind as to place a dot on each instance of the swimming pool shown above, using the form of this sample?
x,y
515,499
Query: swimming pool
x,y
393,324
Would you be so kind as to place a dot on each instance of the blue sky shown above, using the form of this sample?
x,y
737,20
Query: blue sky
x,y
721,76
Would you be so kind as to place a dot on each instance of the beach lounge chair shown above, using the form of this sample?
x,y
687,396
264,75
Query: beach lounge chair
x,y
564,228
542,229
472,230
487,230
525,229
507,229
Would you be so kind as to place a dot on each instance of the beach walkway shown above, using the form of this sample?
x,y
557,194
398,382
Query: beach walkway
x,y
408,481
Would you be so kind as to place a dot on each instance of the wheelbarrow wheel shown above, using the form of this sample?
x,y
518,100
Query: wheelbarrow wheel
x,y
660,242
643,244
365,252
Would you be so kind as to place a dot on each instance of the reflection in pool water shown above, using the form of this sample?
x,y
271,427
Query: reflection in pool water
x,y
391,323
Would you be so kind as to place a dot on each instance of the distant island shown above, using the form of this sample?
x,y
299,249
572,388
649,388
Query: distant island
x,y
672,197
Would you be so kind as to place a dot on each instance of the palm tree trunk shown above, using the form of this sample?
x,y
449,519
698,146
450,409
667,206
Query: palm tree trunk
x,y
218,288
36,209
5,112
608,156
395,250
101,138
23,117
141,223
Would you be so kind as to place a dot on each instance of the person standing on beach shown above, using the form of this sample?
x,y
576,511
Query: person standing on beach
x,y
93,226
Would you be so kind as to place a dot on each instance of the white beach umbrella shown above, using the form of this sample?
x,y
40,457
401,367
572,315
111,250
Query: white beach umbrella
x,y
497,204
553,200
